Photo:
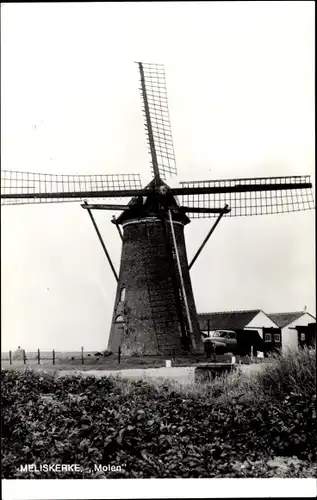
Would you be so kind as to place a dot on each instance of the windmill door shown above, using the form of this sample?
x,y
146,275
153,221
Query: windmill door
x,y
273,340
306,335
119,326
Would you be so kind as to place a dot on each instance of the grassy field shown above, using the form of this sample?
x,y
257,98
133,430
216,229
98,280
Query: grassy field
x,y
65,362
242,425
107,363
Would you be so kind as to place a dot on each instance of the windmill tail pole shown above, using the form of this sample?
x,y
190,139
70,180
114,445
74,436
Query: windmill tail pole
x,y
182,283
208,236
102,242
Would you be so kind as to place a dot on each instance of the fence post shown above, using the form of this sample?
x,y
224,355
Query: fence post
x,y
214,355
24,357
82,355
10,357
119,355
38,357
53,356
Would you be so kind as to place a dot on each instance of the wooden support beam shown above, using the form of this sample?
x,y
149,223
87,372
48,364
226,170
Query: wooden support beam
x,y
224,210
202,210
182,282
103,206
102,242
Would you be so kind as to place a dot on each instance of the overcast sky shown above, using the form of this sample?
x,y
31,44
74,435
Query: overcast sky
x,y
240,78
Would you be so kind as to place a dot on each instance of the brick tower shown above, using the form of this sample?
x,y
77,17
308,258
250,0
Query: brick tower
x,y
149,316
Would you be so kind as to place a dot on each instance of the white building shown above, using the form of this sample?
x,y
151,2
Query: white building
x,y
283,334
236,320
288,322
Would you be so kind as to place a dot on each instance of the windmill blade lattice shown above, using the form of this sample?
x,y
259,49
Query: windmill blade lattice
x,y
154,94
251,196
28,187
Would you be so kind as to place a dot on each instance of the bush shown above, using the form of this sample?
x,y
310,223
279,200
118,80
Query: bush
x,y
294,372
229,428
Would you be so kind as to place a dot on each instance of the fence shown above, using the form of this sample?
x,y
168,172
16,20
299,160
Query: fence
x,y
41,357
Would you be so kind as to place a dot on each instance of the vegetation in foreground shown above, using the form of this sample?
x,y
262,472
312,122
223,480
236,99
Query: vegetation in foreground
x,y
232,427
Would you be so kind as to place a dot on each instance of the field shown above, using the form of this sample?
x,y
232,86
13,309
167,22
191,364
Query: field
x,y
259,424
74,361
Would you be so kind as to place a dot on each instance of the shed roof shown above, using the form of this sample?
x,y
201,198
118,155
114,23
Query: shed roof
x,y
227,320
284,319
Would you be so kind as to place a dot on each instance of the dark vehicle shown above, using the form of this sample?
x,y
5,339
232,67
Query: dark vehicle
x,y
234,341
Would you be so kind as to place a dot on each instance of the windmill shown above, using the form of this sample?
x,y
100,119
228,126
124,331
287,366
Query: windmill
x,y
154,309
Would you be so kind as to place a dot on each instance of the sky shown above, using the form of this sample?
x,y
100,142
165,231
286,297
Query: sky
x,y
240,83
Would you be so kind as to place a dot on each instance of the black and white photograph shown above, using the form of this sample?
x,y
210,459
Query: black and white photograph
x,y
158,306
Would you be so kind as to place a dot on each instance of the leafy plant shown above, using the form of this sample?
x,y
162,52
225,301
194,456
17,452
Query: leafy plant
x,y
232,427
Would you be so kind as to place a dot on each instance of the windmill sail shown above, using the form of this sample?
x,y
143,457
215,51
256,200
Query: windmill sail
x,y
157,121
246,197
28,187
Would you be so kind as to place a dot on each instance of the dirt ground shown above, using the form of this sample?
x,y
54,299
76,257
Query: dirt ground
x,y
179,374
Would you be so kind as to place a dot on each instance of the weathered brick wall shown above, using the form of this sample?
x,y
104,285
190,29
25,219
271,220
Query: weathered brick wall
x,y
150,312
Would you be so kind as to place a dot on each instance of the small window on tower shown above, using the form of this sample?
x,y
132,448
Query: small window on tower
x,y
119,319
277,337
268,337
303,337
122,294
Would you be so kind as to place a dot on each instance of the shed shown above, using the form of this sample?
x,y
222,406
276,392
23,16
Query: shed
x,y
288,321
